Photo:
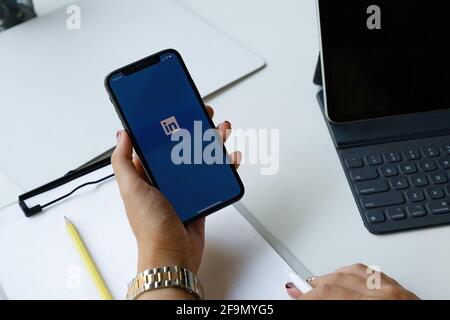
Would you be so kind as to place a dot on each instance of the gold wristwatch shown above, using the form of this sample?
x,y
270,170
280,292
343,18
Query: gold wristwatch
x,y
166,277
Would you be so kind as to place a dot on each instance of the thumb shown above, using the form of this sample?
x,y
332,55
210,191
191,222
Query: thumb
x,y
122,162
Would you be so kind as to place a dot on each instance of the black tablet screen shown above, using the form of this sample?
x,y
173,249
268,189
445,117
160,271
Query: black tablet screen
x,y
385,58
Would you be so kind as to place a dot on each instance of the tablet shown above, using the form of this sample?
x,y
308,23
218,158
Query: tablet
x,y
384,58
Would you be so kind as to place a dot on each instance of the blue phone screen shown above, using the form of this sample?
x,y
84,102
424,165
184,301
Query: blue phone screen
x,y
159,104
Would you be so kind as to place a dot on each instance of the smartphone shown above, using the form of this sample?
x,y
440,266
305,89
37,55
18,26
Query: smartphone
x,y
173,135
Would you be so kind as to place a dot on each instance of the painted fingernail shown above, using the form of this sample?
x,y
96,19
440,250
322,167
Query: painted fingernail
x,y
289,285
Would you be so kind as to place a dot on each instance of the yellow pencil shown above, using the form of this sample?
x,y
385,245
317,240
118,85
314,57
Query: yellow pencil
x,y
87,260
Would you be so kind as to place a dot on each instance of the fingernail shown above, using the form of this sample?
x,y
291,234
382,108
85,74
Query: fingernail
x,y
289,285
228,123
118,135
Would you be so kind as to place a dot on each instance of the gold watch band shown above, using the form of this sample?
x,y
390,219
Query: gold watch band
x,y
165,277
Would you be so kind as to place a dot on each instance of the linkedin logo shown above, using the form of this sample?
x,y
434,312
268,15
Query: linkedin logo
x,y
170,125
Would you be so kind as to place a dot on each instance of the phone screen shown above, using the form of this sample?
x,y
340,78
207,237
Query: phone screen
x,y
171,132
397,67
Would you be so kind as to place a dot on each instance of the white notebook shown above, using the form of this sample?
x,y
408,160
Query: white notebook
x,y
238,263
3,295
55,111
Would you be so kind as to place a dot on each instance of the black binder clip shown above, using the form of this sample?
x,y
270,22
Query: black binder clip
x,y
96,164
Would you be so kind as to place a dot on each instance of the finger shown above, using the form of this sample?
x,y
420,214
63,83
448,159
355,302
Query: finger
x,y
363,271
122,161
236,158
292,291
328,292
140,168
138,164
210,111
224,130
343,280
359,270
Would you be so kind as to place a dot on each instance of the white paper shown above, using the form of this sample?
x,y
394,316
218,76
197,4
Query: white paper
x,y
9,192
39,261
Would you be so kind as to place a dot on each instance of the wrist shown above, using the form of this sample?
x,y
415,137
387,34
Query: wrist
x,y
169,282
157,258
167,294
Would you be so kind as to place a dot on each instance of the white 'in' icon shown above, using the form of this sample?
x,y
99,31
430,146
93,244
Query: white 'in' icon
x,y
170,125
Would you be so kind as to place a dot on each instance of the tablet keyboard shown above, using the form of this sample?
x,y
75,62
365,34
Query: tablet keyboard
x,y
402,185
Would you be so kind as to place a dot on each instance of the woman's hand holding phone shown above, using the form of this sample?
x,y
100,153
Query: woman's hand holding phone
x,y
162,238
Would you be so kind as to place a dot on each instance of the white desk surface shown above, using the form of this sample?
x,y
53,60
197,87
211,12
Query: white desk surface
x,y
66,104
308,206
234,251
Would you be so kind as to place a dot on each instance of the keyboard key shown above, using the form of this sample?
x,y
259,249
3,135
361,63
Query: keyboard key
x,y
396,213
353,162
428,165
419,181
382,200
431,152
416,211
438,178
389,171
363,174
446,149
438,207
393,157
445,163
415,195
435,193
413,154
376,216
408,168
399,183
371,187
374,159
